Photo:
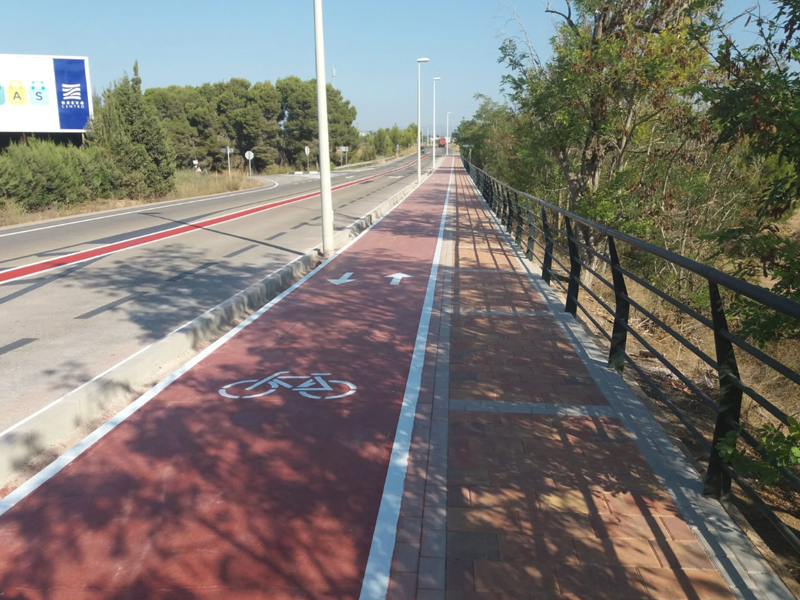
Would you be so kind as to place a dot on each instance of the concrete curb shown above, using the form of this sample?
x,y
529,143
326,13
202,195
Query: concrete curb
x,y
35,441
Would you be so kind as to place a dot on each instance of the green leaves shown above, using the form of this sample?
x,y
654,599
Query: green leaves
x,y
276,121
129,131
780,446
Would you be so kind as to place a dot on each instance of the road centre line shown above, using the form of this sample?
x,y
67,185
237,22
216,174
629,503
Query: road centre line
x,y
27,488
154,206
376,576
20,272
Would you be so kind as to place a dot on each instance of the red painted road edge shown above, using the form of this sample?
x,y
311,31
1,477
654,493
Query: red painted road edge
x,y
270,497
69,259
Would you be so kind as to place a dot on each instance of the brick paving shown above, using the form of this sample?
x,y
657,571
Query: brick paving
x,y
532,501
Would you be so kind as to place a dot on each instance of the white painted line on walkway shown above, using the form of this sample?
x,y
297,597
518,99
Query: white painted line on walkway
x,y
379,563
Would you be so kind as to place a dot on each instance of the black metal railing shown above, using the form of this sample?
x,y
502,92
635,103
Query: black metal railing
x,y
547,233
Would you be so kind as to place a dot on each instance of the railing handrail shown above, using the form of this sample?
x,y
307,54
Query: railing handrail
x,y
770,299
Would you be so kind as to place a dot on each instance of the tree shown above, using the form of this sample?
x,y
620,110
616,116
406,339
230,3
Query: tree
x,y
129,130
756,103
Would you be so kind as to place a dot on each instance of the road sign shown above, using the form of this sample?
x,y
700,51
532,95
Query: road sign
x,y
308,150
226,150
345,149
195,162
249,156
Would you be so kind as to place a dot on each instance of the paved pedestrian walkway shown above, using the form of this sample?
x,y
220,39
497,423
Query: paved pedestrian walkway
x,y
534,472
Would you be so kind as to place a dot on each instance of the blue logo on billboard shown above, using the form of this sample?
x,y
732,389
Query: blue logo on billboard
x,y
73,93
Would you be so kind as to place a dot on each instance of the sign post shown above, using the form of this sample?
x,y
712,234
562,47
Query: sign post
x,y
345,151
227,150
308,164
249,156
397,149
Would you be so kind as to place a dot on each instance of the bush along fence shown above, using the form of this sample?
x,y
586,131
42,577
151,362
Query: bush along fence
x,y
550,234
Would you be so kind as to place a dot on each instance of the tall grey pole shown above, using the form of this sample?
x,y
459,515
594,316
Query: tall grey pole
x,y
229,162
324,150
433,139
419,117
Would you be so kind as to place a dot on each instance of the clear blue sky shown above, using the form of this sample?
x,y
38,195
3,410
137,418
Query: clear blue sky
x,y
374,49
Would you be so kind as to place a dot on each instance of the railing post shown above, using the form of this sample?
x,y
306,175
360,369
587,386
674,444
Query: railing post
x,y
518,219
503,202
531,234
547,263
718,482
574,272
619,337
509,209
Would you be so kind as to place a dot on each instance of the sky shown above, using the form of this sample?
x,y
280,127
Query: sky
x,y
373,45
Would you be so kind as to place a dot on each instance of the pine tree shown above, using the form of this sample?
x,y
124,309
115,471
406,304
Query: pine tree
x,y
129,129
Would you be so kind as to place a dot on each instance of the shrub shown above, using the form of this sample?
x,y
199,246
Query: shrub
x,y
41,174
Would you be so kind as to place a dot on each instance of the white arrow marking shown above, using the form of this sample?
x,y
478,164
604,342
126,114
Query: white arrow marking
x,y
397,278
343,279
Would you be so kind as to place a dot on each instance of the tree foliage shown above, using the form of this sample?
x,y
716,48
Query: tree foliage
x,y
129,131
276,122
757,104
613,127
384,142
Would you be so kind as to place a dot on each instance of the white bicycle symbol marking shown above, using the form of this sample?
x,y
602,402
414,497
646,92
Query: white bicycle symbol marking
x,y
311,383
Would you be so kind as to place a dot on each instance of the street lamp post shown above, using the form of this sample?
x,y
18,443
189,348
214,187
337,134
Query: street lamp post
x,y
324,150
419,116
447,137
435,141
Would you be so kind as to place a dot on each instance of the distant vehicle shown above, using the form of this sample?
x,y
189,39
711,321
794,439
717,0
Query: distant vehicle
x,y
422,149
442,142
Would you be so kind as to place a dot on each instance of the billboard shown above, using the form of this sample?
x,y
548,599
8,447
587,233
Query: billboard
x,y
44,94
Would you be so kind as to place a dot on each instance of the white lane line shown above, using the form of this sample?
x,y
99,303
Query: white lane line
x,y
379,563
155,206
65,459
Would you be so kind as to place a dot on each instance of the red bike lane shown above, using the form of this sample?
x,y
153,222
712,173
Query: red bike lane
x,y
195,495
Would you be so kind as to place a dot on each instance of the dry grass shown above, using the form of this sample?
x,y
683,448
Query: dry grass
x,y
187,185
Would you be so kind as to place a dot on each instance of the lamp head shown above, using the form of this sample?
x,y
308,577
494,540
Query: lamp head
x,y
436,78
422,60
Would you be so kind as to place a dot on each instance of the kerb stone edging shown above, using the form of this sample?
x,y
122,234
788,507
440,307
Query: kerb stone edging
x,y
40,435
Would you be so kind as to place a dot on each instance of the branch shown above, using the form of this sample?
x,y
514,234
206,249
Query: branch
x,y
525,38
567,17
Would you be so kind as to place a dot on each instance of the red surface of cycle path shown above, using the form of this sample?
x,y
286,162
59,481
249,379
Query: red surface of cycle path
x,y
196,496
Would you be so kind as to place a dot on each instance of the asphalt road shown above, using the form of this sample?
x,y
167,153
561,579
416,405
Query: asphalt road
x,y
64,326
